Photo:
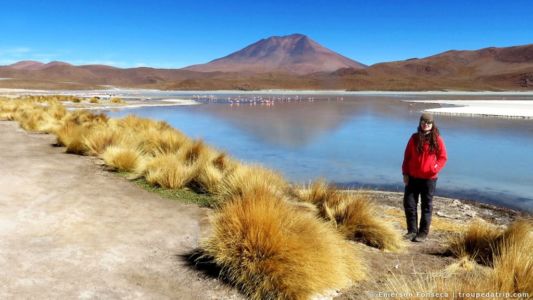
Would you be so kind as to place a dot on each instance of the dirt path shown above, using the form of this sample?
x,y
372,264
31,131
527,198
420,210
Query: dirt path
x,y
68,230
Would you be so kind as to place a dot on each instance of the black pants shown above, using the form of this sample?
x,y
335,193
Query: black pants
x,y
425,188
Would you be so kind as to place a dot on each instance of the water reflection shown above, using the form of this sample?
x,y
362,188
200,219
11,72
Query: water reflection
x,y
359,141
291,125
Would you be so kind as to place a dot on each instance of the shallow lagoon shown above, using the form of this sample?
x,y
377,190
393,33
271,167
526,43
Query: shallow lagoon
x,y
358,140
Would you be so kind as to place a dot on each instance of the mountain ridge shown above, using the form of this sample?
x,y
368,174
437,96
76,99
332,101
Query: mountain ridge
x,y
491,68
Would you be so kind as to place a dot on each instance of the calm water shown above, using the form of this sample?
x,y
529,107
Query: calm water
x,y
358,141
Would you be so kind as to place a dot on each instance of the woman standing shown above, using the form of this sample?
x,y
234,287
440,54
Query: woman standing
x,y
425,155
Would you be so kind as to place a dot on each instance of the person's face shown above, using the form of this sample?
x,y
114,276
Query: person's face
x,y
426,125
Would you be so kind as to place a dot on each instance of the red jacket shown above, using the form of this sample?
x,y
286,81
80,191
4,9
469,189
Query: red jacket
x,y
423,165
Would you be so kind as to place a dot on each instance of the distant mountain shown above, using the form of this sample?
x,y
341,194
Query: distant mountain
x,y
294,53
35,65
509,68
26,65
488,68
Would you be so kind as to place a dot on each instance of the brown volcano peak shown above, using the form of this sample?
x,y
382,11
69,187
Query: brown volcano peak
x,y
295,53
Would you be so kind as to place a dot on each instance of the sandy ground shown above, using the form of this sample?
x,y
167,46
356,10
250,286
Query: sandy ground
x,y
69,229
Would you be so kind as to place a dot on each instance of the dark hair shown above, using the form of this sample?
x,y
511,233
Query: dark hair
x,y
432,138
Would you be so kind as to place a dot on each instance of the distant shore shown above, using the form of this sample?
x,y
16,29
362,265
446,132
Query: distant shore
x,y
515,108
117,90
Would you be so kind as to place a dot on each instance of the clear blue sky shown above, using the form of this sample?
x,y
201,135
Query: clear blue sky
x,y
173,34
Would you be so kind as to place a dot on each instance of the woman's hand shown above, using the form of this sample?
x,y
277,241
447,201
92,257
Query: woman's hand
x,y
405,179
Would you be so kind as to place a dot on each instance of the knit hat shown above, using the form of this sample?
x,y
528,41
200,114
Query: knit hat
x,y
426,117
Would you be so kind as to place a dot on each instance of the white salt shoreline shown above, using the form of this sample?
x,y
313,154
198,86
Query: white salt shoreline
x,y
482,108
133,104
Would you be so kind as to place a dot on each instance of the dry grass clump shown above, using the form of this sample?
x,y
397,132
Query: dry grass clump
x,y
270,250
35,117
134,122
178,169
195,151
83,132
75,139
29,119
357,218
510,269
7,109
155,141
84,116
354,215
441,285
208,180
243,179
513,266
211,175
99,138
122,158
94,100
478,241
49,98
170,171
65,134
6,116
117,100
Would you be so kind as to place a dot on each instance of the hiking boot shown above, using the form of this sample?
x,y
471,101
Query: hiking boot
x,y
421,237
410,236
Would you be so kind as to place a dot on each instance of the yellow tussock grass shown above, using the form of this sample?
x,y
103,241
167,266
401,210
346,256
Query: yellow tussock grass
x,y
208,180
482,241
29,120
57,111
99,138
222,162
132,121
117,100
354,215
122,159
478,242
214,167
65,132
194,151
140,124
270,250
71,135
511,270
357,218
155,141
245,178
6,116
429,286
170,171
84,116
513,266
